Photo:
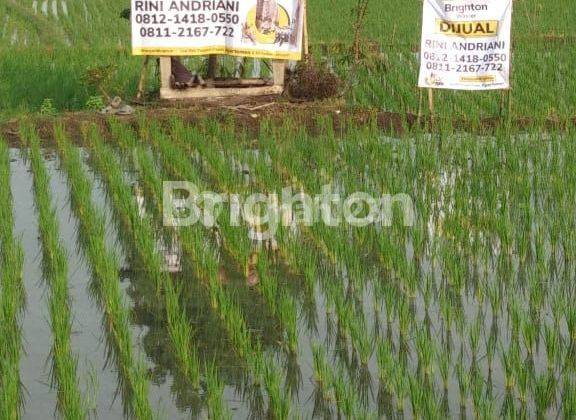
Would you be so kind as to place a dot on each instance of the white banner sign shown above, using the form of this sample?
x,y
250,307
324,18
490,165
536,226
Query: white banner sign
x,y
252,28
466,44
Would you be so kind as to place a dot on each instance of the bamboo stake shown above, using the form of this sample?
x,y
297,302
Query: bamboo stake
x,y
306,45
431,105
510,107
420,99
212,66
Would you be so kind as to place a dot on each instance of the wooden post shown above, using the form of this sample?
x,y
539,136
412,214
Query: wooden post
x,y
510,106
503,108
305,41
165,72
213,66
256,68
420,99
239,65
142,81
431,105
279,72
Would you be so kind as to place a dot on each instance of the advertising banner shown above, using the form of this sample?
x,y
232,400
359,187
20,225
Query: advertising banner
x,y
466,44
251,28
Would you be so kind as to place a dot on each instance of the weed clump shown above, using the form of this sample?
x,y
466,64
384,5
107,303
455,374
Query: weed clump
x,y
314,81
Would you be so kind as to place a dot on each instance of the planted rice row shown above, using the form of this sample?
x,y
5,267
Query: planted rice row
x,y
145,242
12,298
104,265
206,268
190,139
55,268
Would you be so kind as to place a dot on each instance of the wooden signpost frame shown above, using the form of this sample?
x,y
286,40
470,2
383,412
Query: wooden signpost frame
x,y
219,88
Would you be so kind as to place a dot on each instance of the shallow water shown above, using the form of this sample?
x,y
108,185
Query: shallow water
x,y
97,375
37,340
170,395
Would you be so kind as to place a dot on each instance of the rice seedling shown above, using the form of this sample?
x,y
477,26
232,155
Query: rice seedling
x,y
544,393
334,386
65,370
463,377
279,404
104,264
240,248
322,370
192,243
523,376
401,385
345,396
143,237
345,315
483,401
11,297
474,334
361,340
530,335
215,389
425,352
491,346
466,278
552,341
443,362
568,398
289,319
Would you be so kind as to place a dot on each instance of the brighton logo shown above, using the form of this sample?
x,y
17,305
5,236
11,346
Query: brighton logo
x,y
185,205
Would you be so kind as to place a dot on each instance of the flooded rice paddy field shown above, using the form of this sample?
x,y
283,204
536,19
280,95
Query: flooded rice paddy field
x,y
456,301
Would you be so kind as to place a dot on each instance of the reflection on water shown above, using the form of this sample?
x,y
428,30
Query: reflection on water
x,y
211,339
37,340
469,322
167,245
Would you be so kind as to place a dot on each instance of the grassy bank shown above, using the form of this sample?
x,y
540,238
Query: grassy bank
x,y
543,40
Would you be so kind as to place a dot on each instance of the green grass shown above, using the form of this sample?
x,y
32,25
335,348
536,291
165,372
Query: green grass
x,y
59,51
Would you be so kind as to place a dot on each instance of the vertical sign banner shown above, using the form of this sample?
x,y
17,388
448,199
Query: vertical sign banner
x,y
466,44
252,28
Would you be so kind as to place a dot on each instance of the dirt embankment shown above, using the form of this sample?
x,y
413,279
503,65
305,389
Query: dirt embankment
x,y
249,114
